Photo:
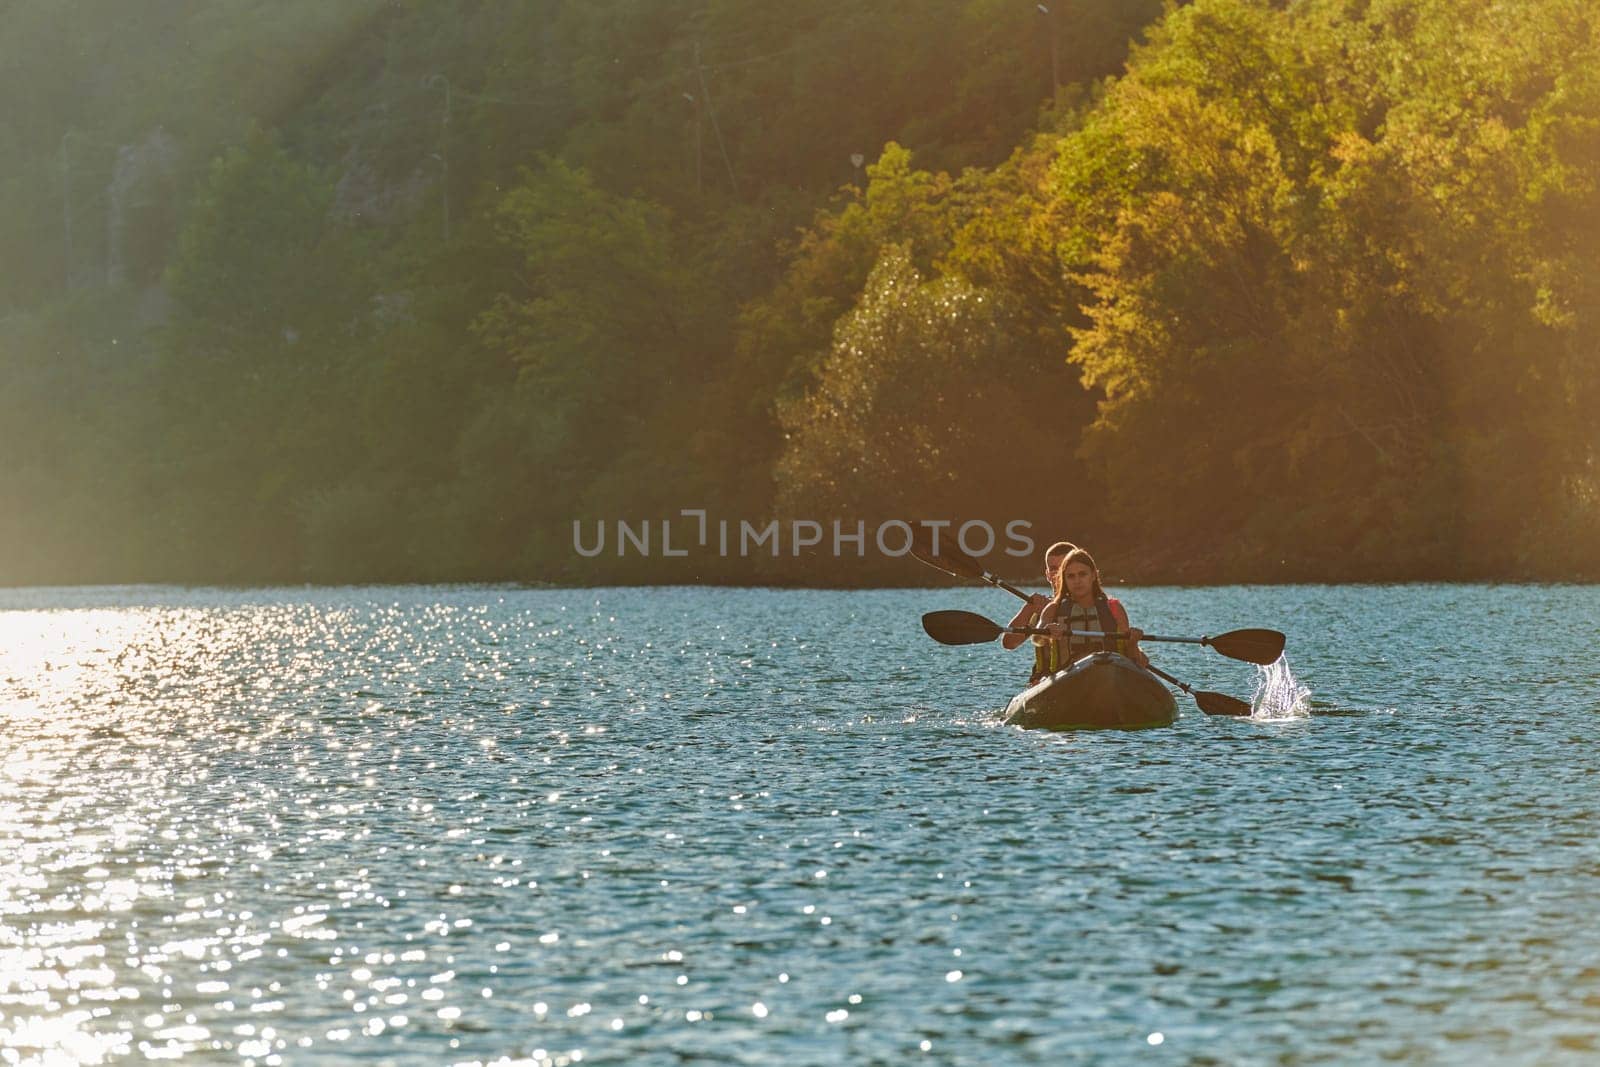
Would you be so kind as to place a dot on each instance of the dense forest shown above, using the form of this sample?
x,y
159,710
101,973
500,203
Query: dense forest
x,y
402,290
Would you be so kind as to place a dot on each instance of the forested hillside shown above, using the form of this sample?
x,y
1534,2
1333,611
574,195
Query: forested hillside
x,y
400,290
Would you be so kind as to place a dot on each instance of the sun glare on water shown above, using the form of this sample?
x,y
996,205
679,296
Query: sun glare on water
x,y
48,658
59,671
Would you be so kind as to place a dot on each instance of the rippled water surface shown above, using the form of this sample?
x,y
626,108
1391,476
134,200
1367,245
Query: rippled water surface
x,y
746,826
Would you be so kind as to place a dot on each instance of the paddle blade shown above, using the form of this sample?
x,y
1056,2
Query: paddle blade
x,y
1221,704
1252,646
960,628
951,559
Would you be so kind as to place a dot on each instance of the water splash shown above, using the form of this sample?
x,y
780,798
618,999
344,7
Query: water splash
x,y
1279,695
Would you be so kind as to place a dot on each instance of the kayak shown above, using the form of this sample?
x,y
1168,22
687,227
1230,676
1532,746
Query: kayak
x,y
1102,691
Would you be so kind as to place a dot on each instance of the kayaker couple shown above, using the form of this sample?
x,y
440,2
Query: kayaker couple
x,y
1078,603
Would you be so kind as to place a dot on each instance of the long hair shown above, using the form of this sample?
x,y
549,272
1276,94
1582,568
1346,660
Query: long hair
x,y
1077,555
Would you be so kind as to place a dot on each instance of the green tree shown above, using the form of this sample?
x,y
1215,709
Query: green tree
x,y
1321,307
909,406
271,305
599,314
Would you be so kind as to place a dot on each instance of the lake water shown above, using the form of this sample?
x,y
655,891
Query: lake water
x,y
746,826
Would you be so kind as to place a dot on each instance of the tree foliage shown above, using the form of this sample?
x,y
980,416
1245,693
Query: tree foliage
x,y
1343,289
907,403
398,290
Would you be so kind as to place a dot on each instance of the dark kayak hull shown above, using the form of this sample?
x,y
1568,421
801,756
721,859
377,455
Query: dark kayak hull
x,y
1103,691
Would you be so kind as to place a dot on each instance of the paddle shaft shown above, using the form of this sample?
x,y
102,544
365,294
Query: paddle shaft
x,y
1159,673
1210,703
1147,637
998,582
1252,646
1001,583
1034,631
964,567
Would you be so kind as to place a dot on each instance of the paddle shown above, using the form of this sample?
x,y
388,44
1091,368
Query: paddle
x,y
1250,645
967,628
1210,703
958,564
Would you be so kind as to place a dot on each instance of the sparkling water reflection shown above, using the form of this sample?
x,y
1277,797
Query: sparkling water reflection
x,y
441,825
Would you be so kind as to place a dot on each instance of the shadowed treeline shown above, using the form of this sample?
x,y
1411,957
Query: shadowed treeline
x,y
398,291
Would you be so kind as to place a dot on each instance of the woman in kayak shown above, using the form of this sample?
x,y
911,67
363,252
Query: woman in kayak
x,y
1081,604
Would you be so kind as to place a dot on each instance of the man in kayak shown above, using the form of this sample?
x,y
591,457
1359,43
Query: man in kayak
x,y
1029,613
1081,604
